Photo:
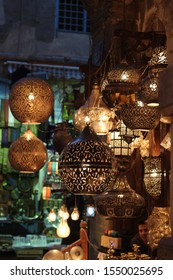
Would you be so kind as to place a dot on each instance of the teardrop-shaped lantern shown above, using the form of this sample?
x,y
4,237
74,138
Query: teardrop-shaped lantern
x,y
27,154
94,113
31,100
86,164
121,202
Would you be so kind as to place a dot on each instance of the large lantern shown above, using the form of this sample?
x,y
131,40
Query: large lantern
x,y
31,100
86,164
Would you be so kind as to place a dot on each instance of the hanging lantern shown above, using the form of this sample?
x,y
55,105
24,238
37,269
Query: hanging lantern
x,y
138,115
52,167
121,80
27,154
52,215
86,164
152,175
149,90
159,60
94,114
121,201
75,214
63,229
31,100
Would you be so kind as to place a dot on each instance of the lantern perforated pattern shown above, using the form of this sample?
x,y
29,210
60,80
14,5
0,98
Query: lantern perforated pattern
x,y
152,175
121,202
142,117
27,156
149,90
86,165
31,100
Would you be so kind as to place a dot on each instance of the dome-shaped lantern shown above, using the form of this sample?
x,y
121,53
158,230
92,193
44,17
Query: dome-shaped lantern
x,y
86,164
27,154
138,115
121,81
31,100
121,201
149,90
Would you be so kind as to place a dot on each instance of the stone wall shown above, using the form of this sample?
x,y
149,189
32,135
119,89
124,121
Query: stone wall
x,y
27,31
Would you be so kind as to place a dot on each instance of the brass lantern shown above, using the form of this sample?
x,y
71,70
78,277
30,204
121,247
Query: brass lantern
x,y
31,100
86,164
121,202
138,115
27,154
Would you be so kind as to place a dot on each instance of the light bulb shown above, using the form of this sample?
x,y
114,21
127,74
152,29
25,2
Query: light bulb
x,y
52,216
65,214
75,214
63,229
61,211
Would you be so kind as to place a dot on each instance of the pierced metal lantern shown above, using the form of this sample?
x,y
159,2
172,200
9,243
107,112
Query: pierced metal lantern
x,y
149,91
138,115
27,154
31,100
152,175
121,83
159,59
124,74
121,201
86,164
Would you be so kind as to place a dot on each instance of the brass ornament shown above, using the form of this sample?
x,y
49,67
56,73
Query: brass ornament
x,y
27,154
31,100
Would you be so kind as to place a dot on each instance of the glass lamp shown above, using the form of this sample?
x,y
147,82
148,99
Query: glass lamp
x,y
52,215
27,154
31,100
94,114
75,214
86,164
63,229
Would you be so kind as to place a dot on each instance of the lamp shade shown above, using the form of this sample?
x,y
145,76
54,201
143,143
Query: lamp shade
x,y
121,202
86,164
138,115
27,154
31,100
94,113
152,175
149,90
122,83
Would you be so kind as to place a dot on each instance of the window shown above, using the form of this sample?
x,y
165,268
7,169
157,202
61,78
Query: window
x,y
71,16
